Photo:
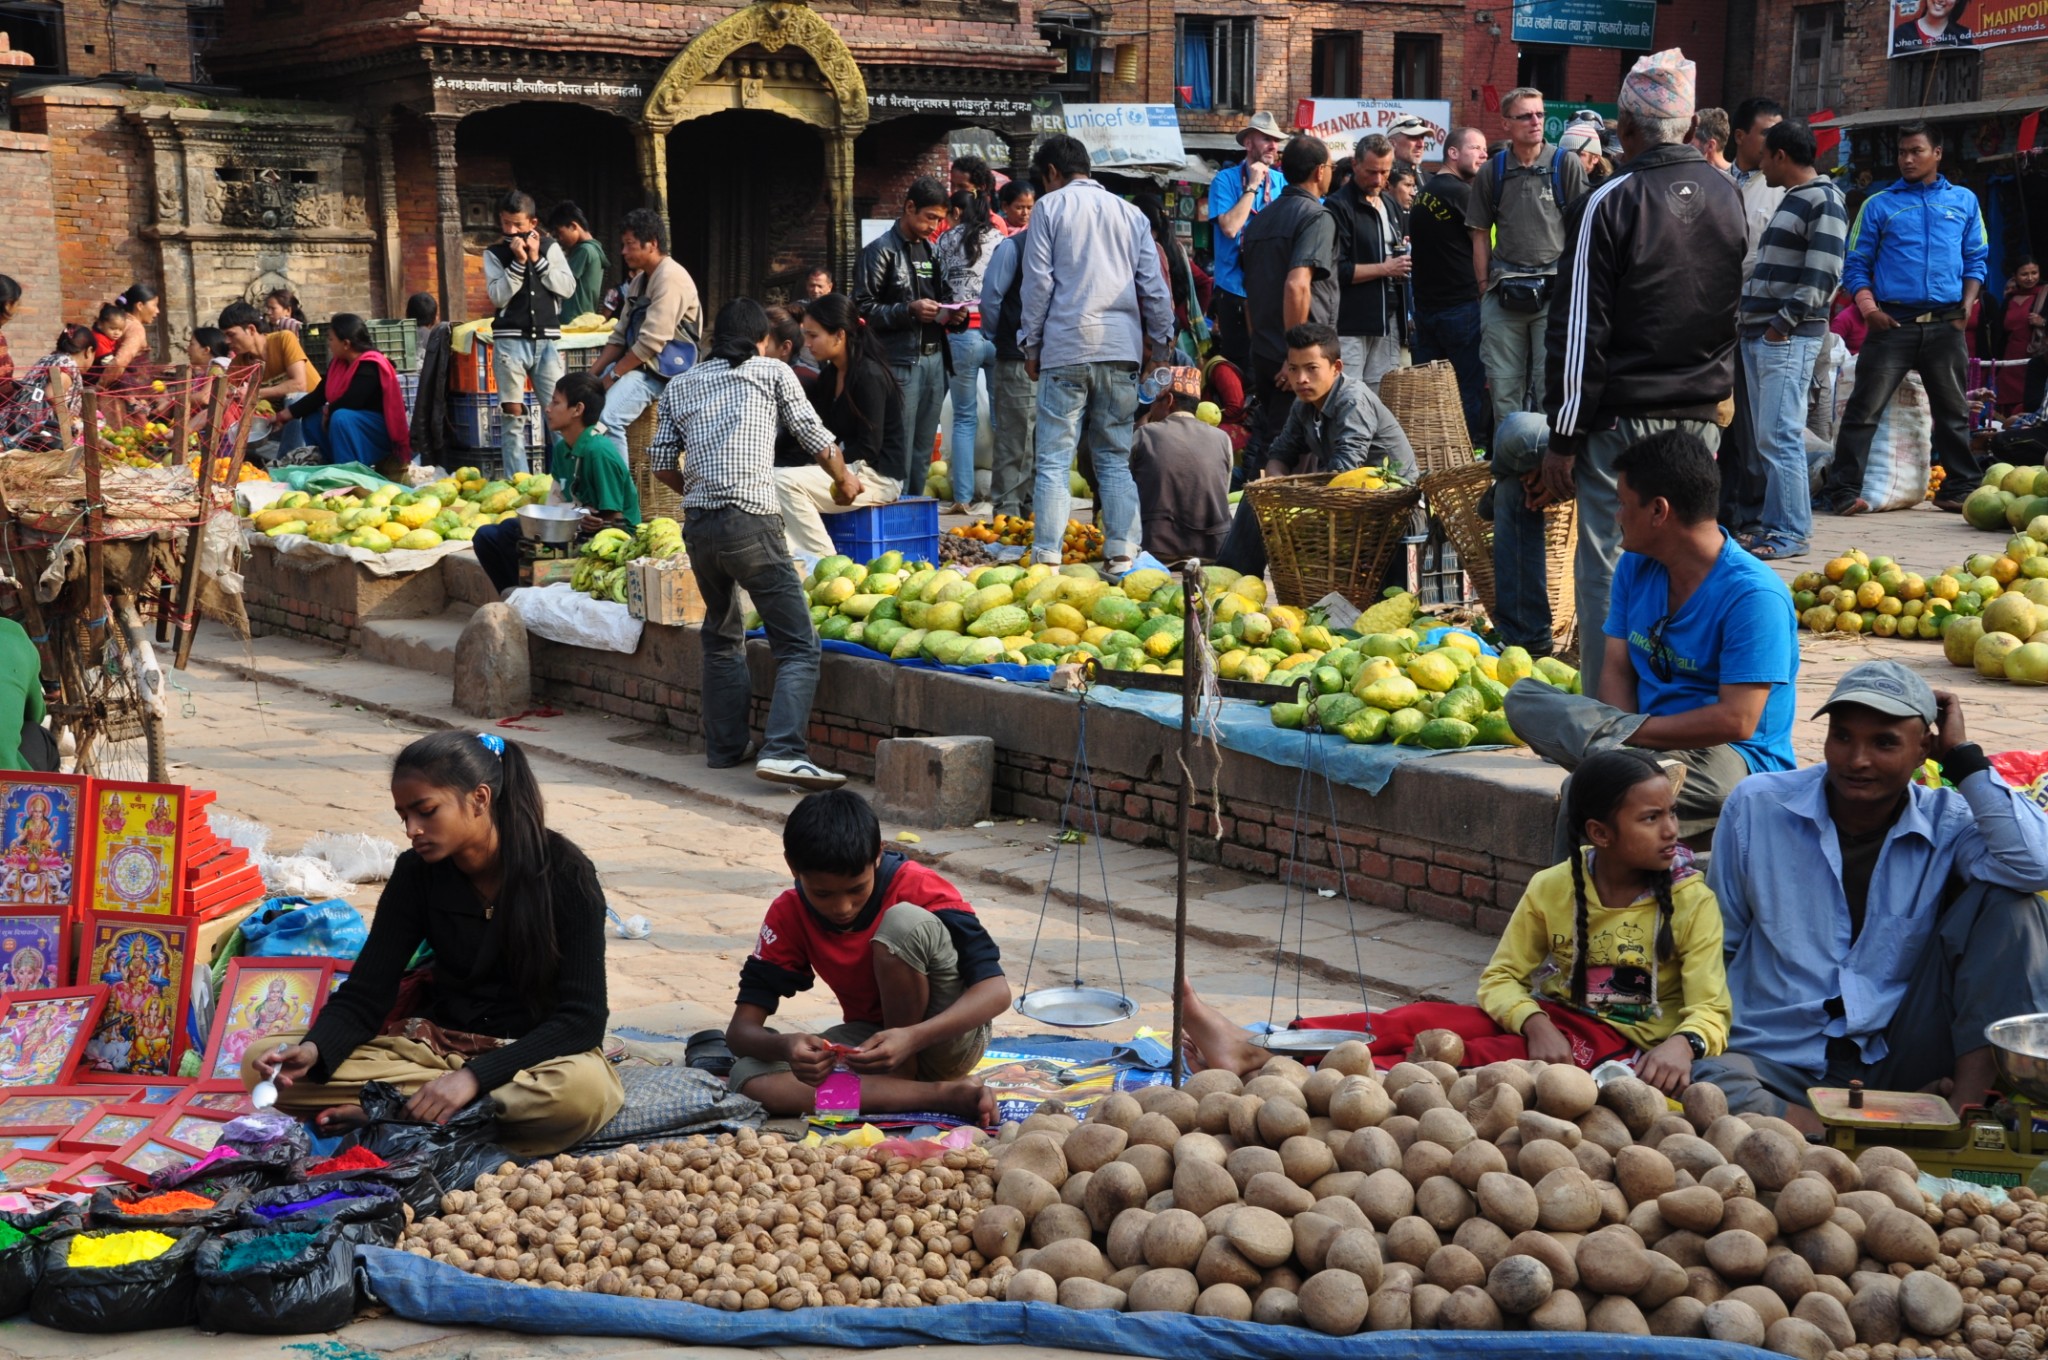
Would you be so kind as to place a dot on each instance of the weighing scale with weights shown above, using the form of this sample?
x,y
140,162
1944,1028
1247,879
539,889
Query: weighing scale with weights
x,y
1998,1146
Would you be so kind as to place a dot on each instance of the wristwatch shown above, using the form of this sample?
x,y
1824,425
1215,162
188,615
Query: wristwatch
x,y
1693,1041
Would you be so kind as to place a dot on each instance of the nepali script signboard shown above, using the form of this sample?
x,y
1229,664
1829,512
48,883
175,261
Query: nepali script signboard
x,y
1630,25
1921,26
1341,122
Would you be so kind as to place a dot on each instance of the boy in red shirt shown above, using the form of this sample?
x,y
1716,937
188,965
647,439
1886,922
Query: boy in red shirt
x,y
917,977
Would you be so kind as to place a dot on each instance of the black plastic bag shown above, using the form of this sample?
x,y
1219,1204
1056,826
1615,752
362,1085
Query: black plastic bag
x,y
213,1176
106,1212
313,1291
21,1264
447,1156
130,1298
372,1214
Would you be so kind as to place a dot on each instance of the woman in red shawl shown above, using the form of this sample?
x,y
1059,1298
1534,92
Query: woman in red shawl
x,y
358,414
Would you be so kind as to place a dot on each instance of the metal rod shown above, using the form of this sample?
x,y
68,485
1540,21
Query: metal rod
x,y
1190,679
188,583
95,606
181,446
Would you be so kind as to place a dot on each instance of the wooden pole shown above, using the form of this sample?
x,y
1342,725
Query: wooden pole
x,y
181,448
188,584
1191,677
95,606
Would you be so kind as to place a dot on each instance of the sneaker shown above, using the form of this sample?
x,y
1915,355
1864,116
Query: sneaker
x,y
1116,568
745,757
800,774
982,510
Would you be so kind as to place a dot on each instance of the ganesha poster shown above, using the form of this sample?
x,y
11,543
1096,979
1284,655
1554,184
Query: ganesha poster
x,y
144,962
138,832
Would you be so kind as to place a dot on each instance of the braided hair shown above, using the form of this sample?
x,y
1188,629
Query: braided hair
x,y
1598,789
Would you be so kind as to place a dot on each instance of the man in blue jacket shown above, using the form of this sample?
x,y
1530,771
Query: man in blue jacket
x,y
1916,263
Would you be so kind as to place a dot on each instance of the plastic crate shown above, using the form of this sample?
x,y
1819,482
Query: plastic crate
x,y
313,340
478,421
1433,573
909,526
580,360
409,386
399,340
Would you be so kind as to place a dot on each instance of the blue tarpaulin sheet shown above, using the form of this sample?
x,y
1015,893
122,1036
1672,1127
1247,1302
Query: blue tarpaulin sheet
x,y
1242,725
1016,675
428,1291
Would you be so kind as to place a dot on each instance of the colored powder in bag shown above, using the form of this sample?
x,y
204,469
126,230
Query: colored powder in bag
x,y
118,1249
268,1249
10,1236
358,1158
287,1210
176,1202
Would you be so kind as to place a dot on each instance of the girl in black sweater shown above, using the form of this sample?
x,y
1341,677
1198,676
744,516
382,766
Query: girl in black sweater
x,y
516,1003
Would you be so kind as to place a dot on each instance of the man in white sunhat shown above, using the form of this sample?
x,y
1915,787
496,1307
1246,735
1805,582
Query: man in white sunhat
x,y
1410,135
1236,195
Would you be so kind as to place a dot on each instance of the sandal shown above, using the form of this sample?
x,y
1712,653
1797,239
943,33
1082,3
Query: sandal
x,y
1772,552
706,1051
1856,506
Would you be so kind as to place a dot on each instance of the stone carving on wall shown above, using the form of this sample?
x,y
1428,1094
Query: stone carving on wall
x,y
772,27
269,198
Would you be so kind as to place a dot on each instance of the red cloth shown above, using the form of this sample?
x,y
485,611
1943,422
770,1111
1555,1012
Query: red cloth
x,y
8,386
794,939
396,422
1393,1033
1850,325
2011,383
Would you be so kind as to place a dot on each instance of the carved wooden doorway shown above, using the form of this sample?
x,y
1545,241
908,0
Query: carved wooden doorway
x,y
748,207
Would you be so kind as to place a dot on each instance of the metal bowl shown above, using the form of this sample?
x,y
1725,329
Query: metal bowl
x,y
1076,1007
1308,1042
2020,1045
550,523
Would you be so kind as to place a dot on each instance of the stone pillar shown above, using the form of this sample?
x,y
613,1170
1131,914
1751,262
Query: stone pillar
x,y
449,211
1020,153
391,248
652,145
842,241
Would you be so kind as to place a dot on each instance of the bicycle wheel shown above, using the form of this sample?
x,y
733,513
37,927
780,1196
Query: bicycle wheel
x,y
116,733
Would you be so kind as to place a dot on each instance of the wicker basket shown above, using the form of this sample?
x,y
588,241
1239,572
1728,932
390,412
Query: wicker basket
x,y
1454,498
656,500
1319,540
1425,399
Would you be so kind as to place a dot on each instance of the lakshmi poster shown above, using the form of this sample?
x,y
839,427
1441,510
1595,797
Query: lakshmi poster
x,y
41,839
137,833
31,949
144,963
42,1033
262,997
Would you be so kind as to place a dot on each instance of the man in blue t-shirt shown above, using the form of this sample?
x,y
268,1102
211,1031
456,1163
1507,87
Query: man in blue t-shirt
x,y
1701,645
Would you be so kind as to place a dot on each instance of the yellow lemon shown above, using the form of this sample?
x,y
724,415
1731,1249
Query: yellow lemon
x,y
1433,671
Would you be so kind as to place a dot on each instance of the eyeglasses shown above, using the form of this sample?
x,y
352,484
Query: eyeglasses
x,y
1661,660
1531,117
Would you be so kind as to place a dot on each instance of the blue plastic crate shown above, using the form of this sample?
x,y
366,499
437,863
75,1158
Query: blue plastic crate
x,y
478,421
909,526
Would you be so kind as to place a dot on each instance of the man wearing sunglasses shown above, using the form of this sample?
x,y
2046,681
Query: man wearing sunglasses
x,y
1699,651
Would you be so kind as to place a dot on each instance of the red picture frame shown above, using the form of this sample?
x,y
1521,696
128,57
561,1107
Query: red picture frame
x,y
23,1106
253,1005
143,1156
200,1129
86,1136
229,1097
46,1032
135,847
34,938
145,1014
38,1169
84,1175
31,853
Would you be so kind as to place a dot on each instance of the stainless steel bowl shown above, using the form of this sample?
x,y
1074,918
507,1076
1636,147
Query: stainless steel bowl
x,y
2020,1045
549,523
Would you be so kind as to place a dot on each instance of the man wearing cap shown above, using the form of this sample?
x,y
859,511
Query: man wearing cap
x,y
1182,468
1237,194
1583,141
1409,136
1874,925
1642,336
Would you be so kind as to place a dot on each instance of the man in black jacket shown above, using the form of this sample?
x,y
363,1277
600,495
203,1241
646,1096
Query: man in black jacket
x,y
902,295
1290,279
1641,335
1372,259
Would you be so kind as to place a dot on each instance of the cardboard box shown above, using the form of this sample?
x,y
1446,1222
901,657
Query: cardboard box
x,y
664,590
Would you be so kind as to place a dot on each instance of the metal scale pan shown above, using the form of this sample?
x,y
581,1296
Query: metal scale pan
x,y
1302,1041
1076,1007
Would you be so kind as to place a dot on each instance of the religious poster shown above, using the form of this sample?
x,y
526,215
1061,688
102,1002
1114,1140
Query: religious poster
x,y
42,839
42,1034
142,1157
31,948
137,833
56,1107
199,1129
262,997
107,1128
144,962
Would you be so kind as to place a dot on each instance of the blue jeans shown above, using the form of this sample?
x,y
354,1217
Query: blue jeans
x,y
349,436
733,550
517,359
1599,490
628,398
1453,334
924,391
1778,377
1098,402
972,352
1521,581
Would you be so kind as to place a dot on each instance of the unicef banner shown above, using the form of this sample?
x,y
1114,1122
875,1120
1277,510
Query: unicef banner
x,y
1128,136
1920,26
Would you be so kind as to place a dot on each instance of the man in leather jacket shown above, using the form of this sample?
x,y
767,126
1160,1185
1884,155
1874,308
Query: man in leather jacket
x,y
902,295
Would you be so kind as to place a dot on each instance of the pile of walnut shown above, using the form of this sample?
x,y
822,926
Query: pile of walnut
x,y
1517,1195
744,1222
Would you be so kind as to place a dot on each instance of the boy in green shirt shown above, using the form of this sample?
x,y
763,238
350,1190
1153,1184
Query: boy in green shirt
x,y
586,259
589,469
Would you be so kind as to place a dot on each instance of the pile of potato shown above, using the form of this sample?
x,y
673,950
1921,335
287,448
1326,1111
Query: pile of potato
x,y
1519,1195
745,1221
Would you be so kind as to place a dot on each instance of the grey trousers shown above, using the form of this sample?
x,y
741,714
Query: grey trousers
x,y
1013,414
1600,510
1988,961
1566,728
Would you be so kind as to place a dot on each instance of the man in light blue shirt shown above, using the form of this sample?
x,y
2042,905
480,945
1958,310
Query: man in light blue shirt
x,y
1095,307
1236,195
1875,926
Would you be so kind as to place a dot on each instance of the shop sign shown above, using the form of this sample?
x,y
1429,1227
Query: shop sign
x,y
1128,136
1922,26
1630,25
1341,122
531,87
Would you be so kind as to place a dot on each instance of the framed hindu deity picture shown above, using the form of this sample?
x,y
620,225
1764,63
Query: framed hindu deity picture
x,y
85,1174
230,1098
43,1034
58,1107
26,1170
107,1128
140,1158
262,997
193,1128
144,962
32,948
42,841
138,835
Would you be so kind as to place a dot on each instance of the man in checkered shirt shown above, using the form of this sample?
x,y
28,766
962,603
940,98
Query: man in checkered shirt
x,y
714,443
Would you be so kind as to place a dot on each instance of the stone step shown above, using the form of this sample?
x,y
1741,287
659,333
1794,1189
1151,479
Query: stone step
x,y
417,644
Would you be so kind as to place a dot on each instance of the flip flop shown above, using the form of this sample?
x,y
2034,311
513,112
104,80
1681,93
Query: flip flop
x,y
1772,552
706,1051
1858,506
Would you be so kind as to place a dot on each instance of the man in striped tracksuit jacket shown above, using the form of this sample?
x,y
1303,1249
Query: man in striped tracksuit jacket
x,y
1784,319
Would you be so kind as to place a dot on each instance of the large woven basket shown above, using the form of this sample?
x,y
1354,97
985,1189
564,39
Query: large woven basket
x,y
1320,540
656,500
1454,498
1425,399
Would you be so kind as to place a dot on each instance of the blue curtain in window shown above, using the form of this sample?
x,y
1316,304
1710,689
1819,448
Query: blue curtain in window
x,y
1194,68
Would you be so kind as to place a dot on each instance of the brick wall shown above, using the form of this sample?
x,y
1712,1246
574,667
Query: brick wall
x,y
99,186
1594,75
2017,69
27,208
144,36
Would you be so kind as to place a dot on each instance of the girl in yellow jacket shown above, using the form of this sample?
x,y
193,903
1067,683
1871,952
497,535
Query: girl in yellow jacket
x,y
1615,954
